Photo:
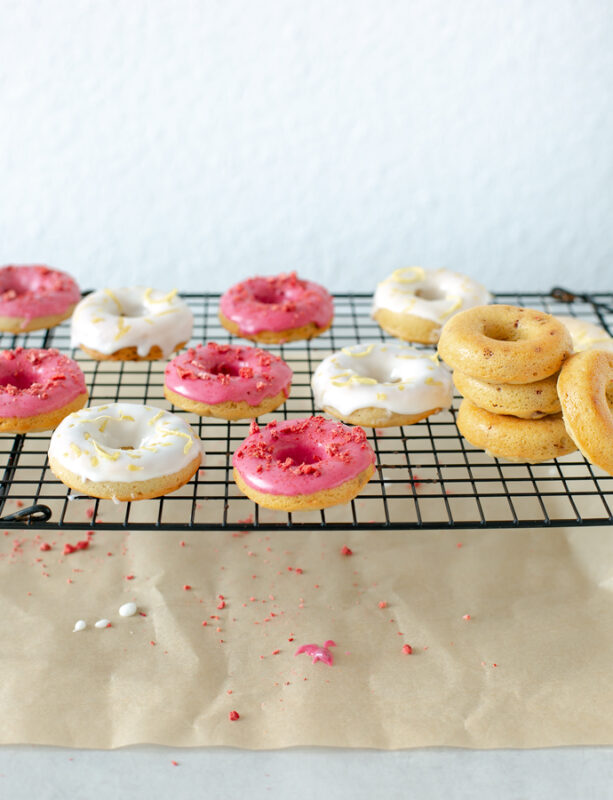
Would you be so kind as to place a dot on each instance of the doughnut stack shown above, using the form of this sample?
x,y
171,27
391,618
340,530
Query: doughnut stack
x,y
506,362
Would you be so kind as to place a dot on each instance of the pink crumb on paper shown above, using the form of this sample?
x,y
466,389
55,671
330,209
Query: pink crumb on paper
x,y
89,512
175,763
382,604
466,616
346,551
407,649
233,716
45,546
318,652
186,587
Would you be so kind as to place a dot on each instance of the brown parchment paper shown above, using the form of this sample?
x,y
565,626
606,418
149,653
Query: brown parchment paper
x,y
530,668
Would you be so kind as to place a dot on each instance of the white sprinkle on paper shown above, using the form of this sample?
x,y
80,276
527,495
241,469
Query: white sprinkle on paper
x,y
102,623
127,610
79,625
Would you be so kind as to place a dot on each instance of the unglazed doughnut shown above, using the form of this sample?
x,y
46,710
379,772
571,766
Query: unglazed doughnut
x,y
218,380
527,401
131,324
502,436
413,303
505,344
301,464
124,451
586,335
35,297
282,308
38,388
585,387
380,385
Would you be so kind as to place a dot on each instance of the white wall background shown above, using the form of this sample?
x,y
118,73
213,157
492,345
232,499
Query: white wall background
x,y
194,143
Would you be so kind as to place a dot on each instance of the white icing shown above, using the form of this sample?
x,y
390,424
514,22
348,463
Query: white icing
x,y
102,623
586,335
110,319
79,625
90,443
392,376
127,610
433,294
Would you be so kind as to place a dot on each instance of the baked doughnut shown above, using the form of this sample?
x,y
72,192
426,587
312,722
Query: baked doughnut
x,y
218,380
35,297
586,335
413,303
505,344
502,436
527,401
131,324
38,388
585,387
303,464
124,451
380,385
282,308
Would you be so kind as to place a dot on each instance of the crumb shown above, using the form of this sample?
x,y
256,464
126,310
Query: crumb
x,y
466,616
186,587
233,715
175,763
346,551
407,649
382,604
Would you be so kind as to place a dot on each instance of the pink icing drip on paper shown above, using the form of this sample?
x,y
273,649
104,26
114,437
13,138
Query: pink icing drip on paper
x,y
302,456
37,381
277,303
35,291
218,373
318,652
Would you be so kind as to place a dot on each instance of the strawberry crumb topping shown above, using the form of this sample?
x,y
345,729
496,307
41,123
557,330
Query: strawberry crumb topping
x,y
233,716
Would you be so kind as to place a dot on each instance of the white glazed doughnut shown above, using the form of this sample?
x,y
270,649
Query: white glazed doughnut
x,y
413,303
586,335
124,451
380,385
131,323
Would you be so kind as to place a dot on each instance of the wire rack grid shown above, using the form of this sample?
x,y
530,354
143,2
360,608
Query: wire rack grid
x,y
427,477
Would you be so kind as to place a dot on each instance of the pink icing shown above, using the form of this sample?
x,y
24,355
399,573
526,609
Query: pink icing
x,y
302,456
36,381
220,373
318,652
277,303
36,291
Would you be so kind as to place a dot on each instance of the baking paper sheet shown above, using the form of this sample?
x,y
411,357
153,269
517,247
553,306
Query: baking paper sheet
x,y
530,668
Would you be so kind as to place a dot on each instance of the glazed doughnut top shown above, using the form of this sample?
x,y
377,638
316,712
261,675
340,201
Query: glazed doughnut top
x,y
219,373
123,442
393,376
36,291
302,456
36,381
586,335
277,303
432,294
135,316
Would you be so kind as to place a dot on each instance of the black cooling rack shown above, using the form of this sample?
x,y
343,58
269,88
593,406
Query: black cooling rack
x,y
428,476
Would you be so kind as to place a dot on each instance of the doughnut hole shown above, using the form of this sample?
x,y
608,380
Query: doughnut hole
x,y
233,370
504,331
299,454
21,380
131,309
430,293
268,295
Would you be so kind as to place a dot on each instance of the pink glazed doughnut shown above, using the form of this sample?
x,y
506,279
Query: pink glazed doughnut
x,y
35,297
38,388
303,464
276,309
218,380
